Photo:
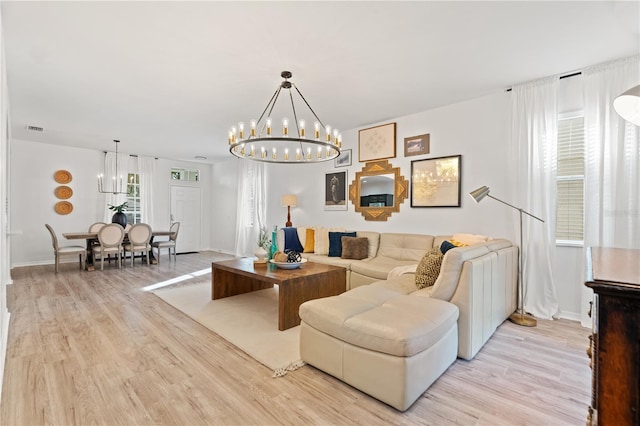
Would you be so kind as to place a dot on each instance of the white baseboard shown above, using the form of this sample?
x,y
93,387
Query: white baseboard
x,y
573,316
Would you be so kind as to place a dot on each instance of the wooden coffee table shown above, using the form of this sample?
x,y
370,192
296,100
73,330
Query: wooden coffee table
x,y
310,281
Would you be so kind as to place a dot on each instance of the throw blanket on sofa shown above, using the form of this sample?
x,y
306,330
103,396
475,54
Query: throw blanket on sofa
x,y
291,240
399,270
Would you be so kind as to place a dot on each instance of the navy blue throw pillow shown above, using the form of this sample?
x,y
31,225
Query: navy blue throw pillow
x,y
335,242
446,246
291,240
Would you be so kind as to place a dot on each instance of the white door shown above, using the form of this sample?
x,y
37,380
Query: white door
x,y
186,209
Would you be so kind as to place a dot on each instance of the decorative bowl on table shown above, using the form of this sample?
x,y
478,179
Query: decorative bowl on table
x,y
288,265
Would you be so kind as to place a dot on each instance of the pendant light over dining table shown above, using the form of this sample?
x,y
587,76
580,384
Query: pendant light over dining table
x,y
117,186
260,141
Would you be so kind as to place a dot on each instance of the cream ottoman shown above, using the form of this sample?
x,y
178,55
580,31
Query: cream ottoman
x,y
390,345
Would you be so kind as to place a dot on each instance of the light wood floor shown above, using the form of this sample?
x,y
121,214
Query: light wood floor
x,y
92,348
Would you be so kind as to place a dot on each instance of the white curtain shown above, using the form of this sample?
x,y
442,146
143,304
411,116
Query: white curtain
x,y
146,168
109,174
534,138
251,206
612,171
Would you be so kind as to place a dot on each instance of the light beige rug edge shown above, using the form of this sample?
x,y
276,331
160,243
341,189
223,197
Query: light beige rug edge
x,y
248,321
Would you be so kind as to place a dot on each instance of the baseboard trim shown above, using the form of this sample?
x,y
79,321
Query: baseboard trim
x,y
573,316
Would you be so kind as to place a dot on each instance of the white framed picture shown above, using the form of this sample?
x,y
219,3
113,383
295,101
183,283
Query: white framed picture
x,y
344,159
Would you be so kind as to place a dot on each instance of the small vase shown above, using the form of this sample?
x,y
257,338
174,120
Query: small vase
x,y
120,219
260,253
274,243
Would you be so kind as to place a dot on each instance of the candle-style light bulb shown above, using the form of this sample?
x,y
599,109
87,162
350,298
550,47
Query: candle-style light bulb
x,y
230,137
263,153
340,140
316,130
253,123
241,130
233,134
274,155
328,129
301,125
298,154
242,149
319,152
285,126
308,153
335,136
286,154
268,123
252,149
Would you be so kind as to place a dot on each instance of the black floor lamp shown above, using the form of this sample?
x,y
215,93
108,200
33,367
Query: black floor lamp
x,y
519,316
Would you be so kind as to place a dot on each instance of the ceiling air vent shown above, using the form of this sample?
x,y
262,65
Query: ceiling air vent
x,y
35,128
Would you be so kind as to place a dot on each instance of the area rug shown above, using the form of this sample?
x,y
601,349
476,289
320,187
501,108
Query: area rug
x,y
248,321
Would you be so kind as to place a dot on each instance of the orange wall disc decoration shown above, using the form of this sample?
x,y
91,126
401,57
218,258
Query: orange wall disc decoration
x,y
63,207
63,192
62,176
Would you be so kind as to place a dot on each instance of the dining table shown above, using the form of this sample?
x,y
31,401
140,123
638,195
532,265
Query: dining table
x,y
90,237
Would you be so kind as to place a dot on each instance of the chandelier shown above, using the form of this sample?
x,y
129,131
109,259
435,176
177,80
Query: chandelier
x,y
259,142
116,187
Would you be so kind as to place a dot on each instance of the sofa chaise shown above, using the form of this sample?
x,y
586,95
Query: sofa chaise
x,y
392,340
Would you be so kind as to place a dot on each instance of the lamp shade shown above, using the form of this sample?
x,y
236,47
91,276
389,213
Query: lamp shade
x,y
289,200
627,105
479,194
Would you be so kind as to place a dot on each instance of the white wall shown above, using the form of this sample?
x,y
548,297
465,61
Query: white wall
x,y
32,198
224,202
5,223
476,129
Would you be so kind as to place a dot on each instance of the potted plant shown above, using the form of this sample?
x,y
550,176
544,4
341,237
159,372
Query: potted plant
x,y
119,217
264,245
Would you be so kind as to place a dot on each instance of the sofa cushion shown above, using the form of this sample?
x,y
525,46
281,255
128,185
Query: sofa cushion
x,y
355,248
429,268
381,320
322,239
323,258
374,241
446,246
378,267
469,239
447,281
310,240
404,246
335,242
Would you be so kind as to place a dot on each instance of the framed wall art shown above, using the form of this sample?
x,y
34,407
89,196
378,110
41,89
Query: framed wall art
x,y
416,145
435,182
377,143
335,191
344,159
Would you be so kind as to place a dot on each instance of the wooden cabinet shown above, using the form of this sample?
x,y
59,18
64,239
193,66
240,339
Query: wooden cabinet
x,y
614,276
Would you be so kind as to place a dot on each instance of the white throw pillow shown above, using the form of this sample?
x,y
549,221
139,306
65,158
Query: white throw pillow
x,y
468,239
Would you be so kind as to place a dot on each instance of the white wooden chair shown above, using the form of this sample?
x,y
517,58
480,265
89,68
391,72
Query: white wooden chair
x,y
58,251
139,236
110,237
171,243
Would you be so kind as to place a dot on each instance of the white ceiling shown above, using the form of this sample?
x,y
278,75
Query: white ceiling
x,y
169,78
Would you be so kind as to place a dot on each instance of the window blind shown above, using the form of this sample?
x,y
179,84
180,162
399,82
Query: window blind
x,y
570,180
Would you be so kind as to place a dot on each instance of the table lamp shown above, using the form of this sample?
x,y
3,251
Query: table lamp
x,y
289,201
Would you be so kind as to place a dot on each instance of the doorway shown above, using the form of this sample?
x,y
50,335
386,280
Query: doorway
x,y
186,208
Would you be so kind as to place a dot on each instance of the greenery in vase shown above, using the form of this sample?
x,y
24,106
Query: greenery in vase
x,y
119,208
263,239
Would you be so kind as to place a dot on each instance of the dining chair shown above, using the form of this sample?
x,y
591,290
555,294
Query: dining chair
x,y
95,227
171,243
66,250
139,236
110,238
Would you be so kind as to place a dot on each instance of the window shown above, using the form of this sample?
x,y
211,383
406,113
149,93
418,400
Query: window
x,y
134,214
570,180
192,175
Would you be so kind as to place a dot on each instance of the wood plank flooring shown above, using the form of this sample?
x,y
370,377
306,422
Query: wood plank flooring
x,y
92,348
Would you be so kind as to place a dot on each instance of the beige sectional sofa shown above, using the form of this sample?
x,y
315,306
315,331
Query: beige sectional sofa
x,y
392,340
